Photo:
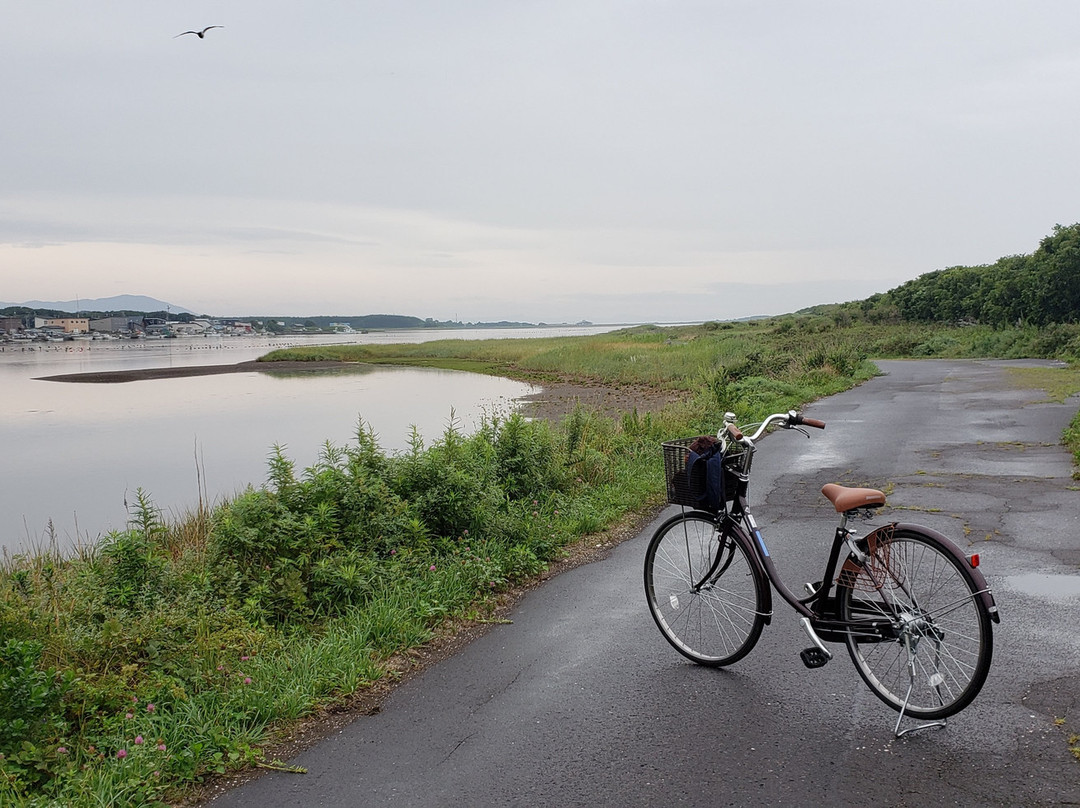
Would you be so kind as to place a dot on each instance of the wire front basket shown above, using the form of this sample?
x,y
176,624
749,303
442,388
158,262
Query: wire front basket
x,y
681,490
676,453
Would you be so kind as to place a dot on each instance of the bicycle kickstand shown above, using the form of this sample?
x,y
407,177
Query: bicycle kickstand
x,y
911,686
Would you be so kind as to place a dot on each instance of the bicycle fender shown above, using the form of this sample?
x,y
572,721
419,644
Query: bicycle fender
x,y
974,574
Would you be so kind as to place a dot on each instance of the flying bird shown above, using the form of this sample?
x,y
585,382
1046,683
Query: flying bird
x,y
202,33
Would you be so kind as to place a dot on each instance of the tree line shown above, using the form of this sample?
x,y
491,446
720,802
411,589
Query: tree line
x,y
1039,289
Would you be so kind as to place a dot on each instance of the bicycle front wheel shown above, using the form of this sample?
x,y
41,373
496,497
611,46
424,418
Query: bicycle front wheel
x,y
703,591
935,655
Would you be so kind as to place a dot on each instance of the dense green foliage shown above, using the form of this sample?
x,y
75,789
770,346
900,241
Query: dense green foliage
x,y
1038,290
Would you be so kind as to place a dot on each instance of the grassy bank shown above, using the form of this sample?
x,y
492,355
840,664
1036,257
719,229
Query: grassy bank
x,y
171,651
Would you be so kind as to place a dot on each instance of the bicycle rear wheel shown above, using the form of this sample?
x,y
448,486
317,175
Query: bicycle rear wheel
x,y
936,654
703,591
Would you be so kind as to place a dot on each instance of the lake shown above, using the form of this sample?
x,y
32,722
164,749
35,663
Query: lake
x,y
76,453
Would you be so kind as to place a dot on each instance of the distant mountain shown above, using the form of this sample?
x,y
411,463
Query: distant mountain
x,y
115,303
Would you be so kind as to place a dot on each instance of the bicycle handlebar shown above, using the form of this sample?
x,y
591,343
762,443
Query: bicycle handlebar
x,y
788,420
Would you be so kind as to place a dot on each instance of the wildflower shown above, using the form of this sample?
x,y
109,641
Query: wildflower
x,y
61,750
129,716
247,680
393,552
465,532
244,658
161,747
121,754
149,708
157,774
221,667
91,749
138,740
431,568
134,699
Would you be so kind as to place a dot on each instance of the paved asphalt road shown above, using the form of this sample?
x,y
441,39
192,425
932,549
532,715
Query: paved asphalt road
x,y
581,702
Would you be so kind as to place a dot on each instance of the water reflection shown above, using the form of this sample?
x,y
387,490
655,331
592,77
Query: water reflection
x,y
75,452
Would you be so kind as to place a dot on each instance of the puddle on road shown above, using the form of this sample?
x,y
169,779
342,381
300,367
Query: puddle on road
x,y
1057,587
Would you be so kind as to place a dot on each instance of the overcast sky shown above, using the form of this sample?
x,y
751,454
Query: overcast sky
x,y
609,160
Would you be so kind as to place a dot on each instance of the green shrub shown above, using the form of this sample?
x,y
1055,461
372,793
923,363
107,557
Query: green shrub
x,y
32,722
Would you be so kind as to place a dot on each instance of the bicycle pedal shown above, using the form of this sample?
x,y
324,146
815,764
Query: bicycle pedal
x,y
813,657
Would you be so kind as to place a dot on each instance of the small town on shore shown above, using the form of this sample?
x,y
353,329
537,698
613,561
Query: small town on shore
x,y
29,328
61,329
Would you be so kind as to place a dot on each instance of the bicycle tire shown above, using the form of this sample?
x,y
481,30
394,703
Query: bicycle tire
x,y
942,641
704,592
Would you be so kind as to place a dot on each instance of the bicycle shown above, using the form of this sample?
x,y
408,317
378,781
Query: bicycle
x,y
914,612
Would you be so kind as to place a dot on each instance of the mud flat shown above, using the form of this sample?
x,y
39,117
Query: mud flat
x,y
142,374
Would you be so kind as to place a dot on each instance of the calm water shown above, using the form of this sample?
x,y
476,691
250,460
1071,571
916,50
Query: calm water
x,y
74,453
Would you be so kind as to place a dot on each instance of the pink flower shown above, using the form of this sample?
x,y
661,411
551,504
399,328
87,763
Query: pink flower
x,y
244,658
247,680
149,708
465,532
138,740
431,568
129,716
61,750
161,747
134,699
122,754
221,667
393,552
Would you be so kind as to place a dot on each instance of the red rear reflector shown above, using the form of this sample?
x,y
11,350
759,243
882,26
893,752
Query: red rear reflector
x,y
973,559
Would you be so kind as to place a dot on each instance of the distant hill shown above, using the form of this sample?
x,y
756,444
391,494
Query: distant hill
x,y
115,303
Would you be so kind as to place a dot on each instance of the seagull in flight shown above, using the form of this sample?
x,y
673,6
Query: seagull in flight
x,y
202,33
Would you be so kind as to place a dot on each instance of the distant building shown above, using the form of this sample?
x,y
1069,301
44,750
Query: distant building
x,y
114,325
155,325
69,325
194,328
11,325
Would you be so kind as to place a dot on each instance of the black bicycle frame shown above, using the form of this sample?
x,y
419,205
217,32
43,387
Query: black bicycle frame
x,y
823,607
